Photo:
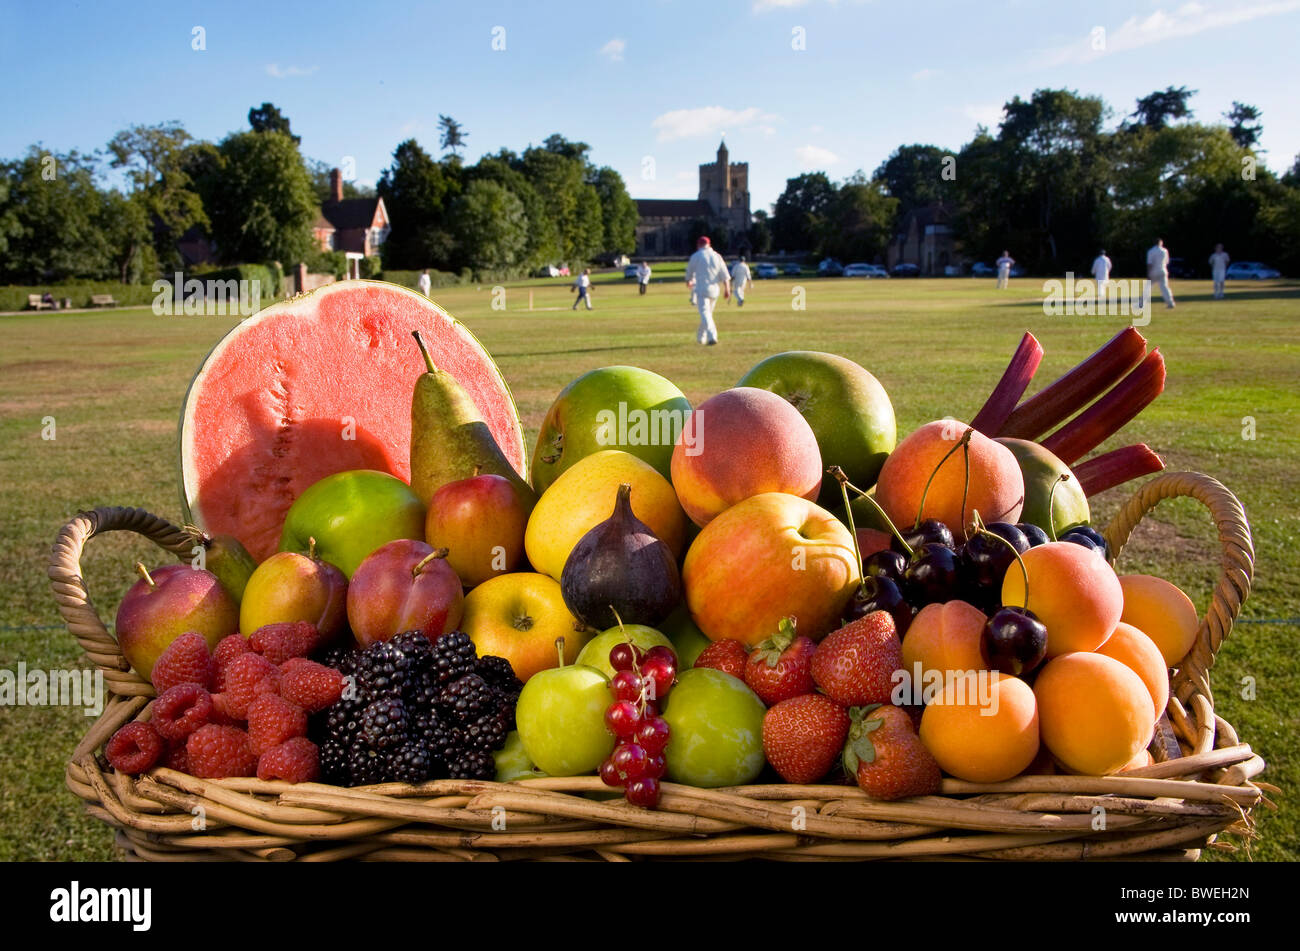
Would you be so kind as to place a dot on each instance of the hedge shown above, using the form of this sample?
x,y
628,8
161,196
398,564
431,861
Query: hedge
x,y
14,297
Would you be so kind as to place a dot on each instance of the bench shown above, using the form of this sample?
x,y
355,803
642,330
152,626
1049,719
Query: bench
x,y
102,300
35,303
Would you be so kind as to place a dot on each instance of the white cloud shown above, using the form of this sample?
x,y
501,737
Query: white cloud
x,y
613,50
762,5
1161,25
927,73
288,72
815,157
708,120
983,113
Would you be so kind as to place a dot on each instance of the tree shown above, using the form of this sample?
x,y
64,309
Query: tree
x,y
617,210
913,174
319,172
268,118
1243,124
798,212
259,198
760,233
54,217
560,177
491,226
543,236
1156,110
169,205
452,136
417,191
858,221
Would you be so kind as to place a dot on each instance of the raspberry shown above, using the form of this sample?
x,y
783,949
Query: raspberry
x,y
227,649
247,677
135,748
311,685
278,642
218,751
272,720
181,710
177,758
185,661
221,712
296,760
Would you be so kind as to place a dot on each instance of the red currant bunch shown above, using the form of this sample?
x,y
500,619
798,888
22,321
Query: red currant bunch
x,y
641,681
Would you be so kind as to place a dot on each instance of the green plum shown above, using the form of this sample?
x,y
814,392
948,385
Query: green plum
x,y
512,761
716,725
350,514
561,719
1042,470
596,652
687,639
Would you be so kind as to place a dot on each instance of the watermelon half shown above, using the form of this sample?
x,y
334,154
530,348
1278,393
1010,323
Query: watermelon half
x,y
272,407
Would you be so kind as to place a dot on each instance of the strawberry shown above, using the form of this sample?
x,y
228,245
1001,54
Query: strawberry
x,y
887,757
803,736
781,666
727,655
855,665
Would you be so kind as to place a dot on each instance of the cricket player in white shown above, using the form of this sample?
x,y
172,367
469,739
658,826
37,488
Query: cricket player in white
x,y
1219,269
1101,271
425,283
643,276
740,280
1004,268
706,272
1158,272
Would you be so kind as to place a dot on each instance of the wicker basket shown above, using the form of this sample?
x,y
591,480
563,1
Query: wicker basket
x,y
1199,786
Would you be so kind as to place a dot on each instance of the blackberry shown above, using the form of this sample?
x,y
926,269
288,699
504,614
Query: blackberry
x,y
454,656
497,672
342,722
416,648
382,671
411,763
334,762
383,724
422,691
472,764
465,699
342,659
487,732
366,767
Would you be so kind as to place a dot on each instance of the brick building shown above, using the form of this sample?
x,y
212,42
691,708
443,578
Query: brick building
x,y
355,226
664,224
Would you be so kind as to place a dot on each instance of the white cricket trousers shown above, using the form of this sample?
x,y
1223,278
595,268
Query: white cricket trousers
x,y
1166,295
1004,276
1219,280
708,332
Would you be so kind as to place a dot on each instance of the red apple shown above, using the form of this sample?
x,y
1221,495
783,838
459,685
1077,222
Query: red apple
x,y
292,587
769,557
404,586
166,603
481,522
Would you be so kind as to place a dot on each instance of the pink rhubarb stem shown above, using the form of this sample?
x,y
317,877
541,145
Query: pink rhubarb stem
x,y
1116,467
1002,401
1111,413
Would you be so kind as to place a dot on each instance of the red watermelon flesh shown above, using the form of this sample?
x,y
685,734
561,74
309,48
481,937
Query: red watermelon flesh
x,y
270,409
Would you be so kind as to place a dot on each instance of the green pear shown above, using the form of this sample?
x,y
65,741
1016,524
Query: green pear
x,y
227,558
450,439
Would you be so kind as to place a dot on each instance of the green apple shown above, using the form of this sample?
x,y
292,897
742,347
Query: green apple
x,y
350,514
688,640
846,407
619,407
1042,470
512,761
561,720
596,652
716,725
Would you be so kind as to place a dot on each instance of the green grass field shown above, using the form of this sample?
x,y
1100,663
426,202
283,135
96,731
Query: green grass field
x,y
113,382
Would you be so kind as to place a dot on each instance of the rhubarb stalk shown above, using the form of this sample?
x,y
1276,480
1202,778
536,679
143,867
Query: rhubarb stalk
x,y
1111,413
1116,467
1002,401
1076,389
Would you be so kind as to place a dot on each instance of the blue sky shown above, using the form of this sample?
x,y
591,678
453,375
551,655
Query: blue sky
x,y
651,85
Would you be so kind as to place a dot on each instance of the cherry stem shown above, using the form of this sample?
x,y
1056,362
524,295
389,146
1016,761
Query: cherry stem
x,y
965,440
1051,505
965,489
1024,572
853,531
844,482
435,554
428,360
144,573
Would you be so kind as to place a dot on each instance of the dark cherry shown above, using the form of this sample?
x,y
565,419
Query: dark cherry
x,y
931,575
985,560
1088,537
930,531
1035,534
880,594
1014,641
886,563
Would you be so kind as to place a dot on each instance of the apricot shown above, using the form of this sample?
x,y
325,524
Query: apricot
x,y
1074,592
944,637
1161,611
996,487
982,739
1139,654
1143,758
1094,712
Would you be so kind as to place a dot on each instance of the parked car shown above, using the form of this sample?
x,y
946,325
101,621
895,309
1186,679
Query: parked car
x,y
829,267
865,270
980,269
792,270
1251,271
906,270
629,272
765,270
1178,267
549,270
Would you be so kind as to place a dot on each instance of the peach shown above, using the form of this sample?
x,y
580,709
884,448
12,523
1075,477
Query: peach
x,y
1074,592
985,739
1161,611
946,638
740,443
770,557
872,540
1139,654
996,488
1094,712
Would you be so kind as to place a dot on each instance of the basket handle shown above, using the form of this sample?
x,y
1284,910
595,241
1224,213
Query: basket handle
x,y
74,601
1237,566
